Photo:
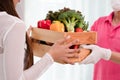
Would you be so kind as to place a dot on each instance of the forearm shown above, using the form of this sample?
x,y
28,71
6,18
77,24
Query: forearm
x,y
115,57
38,69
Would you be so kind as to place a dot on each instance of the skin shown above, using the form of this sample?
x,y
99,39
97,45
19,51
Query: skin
x,y
16,1
115,57
116,18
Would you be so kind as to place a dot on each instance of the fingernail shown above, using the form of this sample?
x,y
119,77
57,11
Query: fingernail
x,y
68,37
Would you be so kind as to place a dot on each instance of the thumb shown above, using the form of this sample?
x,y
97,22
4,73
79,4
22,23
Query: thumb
x,y
87,46
87,60
90,59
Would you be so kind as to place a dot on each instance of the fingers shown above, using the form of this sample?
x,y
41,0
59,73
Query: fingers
x,y
72,43
62,41
68,61
72,50
71,55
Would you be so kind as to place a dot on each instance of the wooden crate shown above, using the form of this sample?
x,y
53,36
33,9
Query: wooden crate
x,y
51,36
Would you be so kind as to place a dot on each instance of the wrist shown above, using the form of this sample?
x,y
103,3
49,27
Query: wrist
x,y
50,56
51,53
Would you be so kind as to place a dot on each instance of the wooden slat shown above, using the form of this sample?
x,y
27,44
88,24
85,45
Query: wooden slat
x,y
39,49
84,37
46,35
53,36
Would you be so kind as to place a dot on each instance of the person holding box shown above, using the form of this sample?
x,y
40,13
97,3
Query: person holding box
x,y
12,48
106,54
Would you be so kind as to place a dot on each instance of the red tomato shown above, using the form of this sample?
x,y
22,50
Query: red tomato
x,y
76,46
78,30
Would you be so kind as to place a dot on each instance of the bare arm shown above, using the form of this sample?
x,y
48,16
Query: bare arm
x,y
115,57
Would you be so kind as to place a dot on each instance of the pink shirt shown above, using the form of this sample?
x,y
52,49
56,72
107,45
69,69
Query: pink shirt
x,y
108,37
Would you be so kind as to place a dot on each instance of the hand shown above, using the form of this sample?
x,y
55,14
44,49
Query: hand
x,y
61,52
96,54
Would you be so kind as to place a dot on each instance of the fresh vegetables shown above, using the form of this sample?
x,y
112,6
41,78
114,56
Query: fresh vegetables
x,y
64,20
78,29
82,24
45,24
54,15
70,18
57,26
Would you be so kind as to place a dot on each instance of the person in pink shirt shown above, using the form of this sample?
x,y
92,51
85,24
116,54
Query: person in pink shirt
x,y
106,54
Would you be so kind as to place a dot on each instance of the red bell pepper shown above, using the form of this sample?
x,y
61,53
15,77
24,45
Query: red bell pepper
x,y
45,24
